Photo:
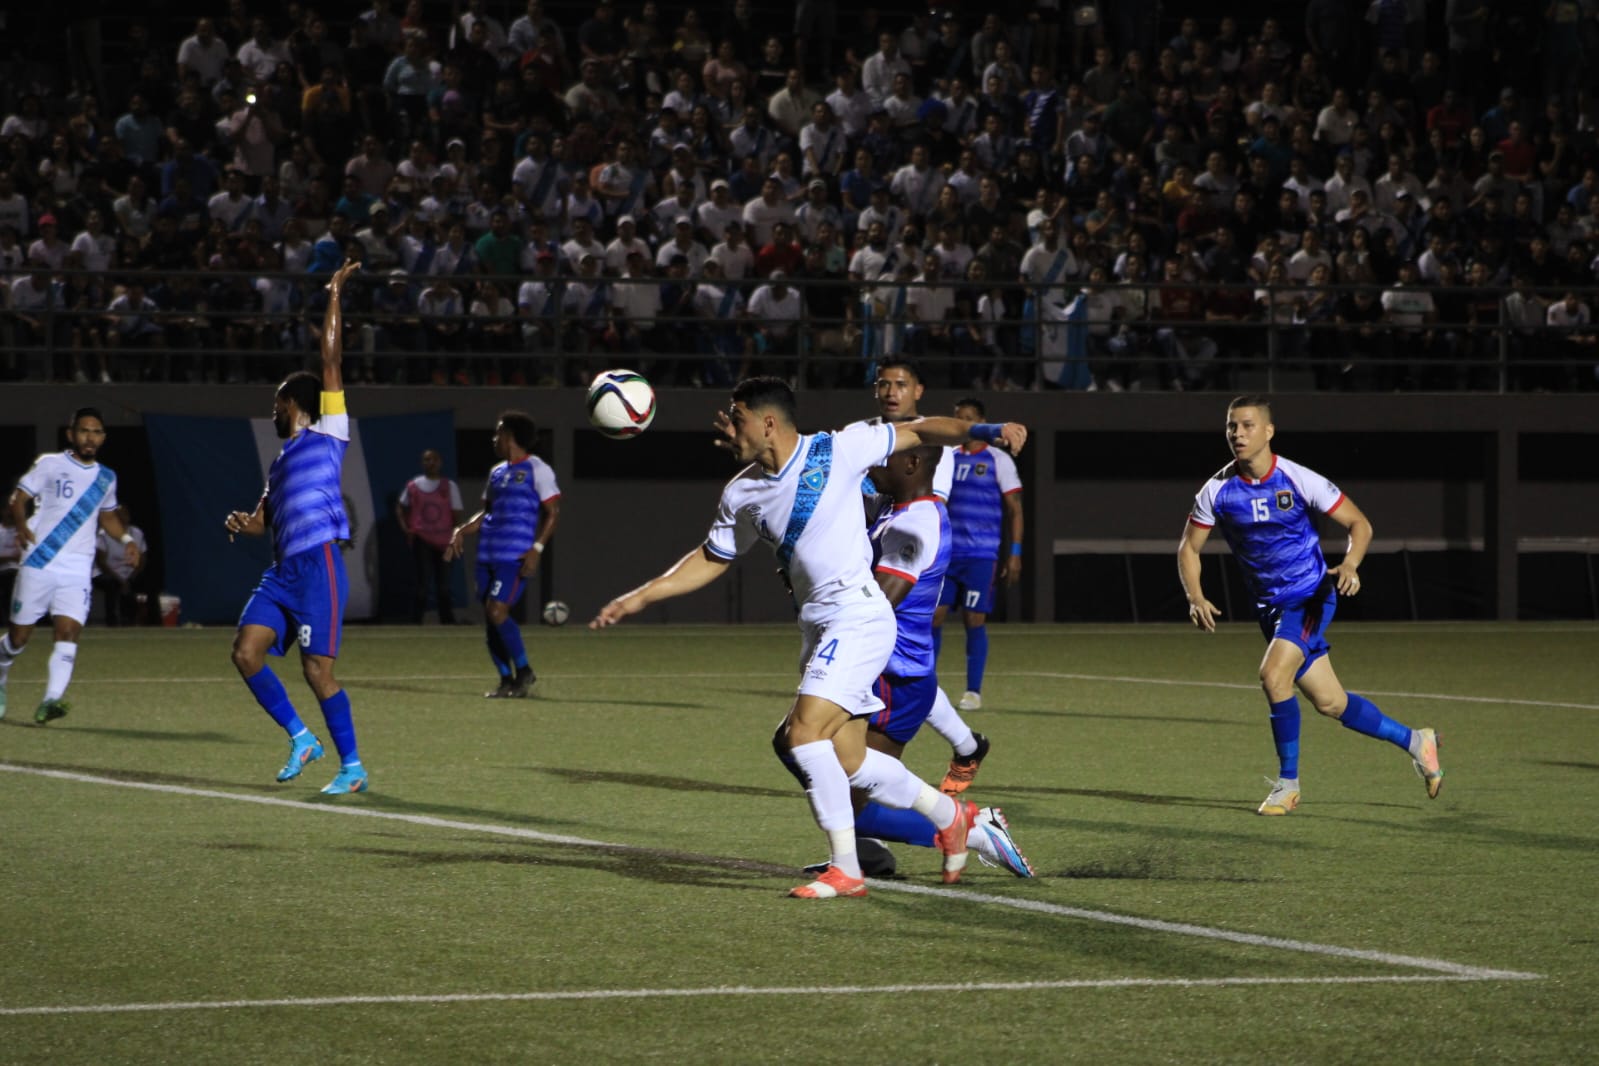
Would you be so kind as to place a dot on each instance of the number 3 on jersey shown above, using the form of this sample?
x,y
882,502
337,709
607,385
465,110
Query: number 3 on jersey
x,y
1262,512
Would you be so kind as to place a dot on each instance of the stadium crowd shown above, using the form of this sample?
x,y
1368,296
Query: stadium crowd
x,y
1079,195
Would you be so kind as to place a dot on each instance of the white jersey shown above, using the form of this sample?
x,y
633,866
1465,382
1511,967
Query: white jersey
x,y
69,497
943,475
827,555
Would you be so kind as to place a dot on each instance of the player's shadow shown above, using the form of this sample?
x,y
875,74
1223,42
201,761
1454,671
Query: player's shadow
x,y
577,776
1566,765
1145,798
1133,718
602,701
212,737
656,867
116,773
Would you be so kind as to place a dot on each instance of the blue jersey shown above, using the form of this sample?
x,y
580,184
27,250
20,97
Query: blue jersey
x,y
983,479
304,493
511,502
912,541
1268,526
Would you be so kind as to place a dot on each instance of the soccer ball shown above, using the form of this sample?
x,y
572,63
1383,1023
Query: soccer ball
x,y
621,403
556,613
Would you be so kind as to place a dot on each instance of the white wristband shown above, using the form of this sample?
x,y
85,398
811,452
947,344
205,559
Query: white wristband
x,y
538,546
126,538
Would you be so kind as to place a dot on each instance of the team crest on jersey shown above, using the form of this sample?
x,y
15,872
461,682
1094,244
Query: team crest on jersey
x,y
815,478
980,469
1285,500
519,477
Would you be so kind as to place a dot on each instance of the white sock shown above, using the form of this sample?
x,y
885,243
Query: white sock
x,y
947,723
934,805
8,655
830,804
62,657
887,780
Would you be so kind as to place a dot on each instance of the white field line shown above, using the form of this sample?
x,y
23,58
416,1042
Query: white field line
x,y
357,679
734,990
1035,906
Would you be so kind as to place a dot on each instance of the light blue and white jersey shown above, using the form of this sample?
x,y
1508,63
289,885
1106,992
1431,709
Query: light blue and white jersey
x,y
809,513
304,491
511,503
68,497
1269,528
912,541
943,473
983,478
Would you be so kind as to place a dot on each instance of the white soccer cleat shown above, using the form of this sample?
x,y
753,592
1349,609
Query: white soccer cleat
x,y
1284,796
990,839
970,701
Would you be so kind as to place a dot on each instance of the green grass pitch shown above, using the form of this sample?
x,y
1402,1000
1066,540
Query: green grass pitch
x,y
598,874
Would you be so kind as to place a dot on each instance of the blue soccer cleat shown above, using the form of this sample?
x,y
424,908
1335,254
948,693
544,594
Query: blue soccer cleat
x,y
304,750
350,779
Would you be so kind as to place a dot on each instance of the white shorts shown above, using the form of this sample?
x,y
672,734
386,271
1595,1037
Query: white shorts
x,y
47,591
845,648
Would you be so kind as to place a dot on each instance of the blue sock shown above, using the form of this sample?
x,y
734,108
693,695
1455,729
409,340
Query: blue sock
x,y
938,643
341,727
497,652
268,692
1363,716
1285,734
976,657
511,637
886,823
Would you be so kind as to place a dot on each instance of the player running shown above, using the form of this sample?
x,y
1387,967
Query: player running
x,y
300,599
800,494
521,505
1263,504
985,511
74,498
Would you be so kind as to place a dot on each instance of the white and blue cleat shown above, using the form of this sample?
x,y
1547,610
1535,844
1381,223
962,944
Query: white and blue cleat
x,y
990,838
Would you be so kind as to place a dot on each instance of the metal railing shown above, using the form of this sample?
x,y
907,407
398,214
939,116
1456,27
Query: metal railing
x,y
208,326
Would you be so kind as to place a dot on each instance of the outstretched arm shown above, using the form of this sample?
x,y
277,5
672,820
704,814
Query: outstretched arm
x,y
692,572
1201,611
333,330
946,432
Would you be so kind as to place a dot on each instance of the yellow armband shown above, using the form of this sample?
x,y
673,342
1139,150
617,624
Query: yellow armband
x,y
332,403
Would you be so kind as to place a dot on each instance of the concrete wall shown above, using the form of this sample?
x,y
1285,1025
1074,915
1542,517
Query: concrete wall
x,y
617,531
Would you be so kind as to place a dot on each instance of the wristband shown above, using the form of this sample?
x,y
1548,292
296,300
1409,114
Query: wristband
x,y
126,538
987,432
1016,548
538,546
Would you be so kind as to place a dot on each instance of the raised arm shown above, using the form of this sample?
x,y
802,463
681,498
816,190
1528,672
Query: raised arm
x,y
947,432
689,574
1201,611
333,330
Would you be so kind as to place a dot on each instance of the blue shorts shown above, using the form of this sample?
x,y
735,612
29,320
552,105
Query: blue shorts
x,y
301,599
969,585
1303,624
906,704
500,581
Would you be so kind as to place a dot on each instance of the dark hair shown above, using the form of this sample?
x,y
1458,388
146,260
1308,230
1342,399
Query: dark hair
x,y
974,403
1252,399
901,361
767,393
305,390
522,428
85,412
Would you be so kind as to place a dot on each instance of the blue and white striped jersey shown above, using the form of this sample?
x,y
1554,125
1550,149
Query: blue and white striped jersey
x,y
304,490
511,502
982,480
